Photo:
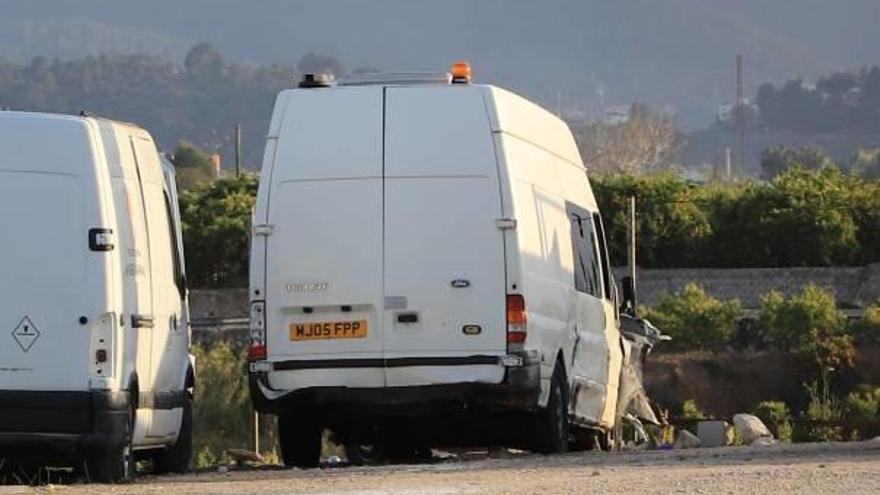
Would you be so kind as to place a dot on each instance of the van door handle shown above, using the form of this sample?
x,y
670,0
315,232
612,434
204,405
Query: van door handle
x,y
407,318
142,321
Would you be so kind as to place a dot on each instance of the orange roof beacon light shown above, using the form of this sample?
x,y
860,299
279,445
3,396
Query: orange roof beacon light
x,y
461,72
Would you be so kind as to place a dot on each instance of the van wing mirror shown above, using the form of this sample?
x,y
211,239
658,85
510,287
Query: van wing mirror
x,y
629,296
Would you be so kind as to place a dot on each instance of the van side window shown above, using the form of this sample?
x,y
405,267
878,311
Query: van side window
x,y
603,253
587,274
175,248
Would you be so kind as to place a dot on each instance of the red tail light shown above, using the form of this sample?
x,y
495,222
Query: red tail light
x,y
516,319
257,349
257,352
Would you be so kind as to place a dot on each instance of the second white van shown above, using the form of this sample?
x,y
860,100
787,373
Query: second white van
x,y
95,367
427,249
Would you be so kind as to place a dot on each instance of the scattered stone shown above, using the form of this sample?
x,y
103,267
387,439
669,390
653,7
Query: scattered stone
x,y
686,440
242,456
764,442
750,428
712,433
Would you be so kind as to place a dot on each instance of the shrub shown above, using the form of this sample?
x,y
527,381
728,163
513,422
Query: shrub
x,y
821,414
694,319
776,416
690,410
222,410
866,331
864,403
802,217
808,323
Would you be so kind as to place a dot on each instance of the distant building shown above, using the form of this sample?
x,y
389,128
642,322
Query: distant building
x,y
616,115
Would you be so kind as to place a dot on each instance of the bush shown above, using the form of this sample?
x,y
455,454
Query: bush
x,y
822,414
866,331
776,416
216,220
690,410
694,319
801,218
810,324
864,403
222,409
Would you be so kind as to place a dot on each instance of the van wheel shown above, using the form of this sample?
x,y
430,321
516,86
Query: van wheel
x,y
364,454
300,439
551,423
115,464
176,458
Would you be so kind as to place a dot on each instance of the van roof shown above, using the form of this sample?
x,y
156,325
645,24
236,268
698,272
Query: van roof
x,y
62,117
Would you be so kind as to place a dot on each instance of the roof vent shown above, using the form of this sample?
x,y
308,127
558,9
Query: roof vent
x,y
316,81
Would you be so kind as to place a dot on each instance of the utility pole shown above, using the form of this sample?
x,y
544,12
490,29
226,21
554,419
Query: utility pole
x,y
256,433
237,150
631,248
740,116
727,161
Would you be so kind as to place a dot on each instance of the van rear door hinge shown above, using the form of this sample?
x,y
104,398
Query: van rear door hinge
x,y
506,223
263,229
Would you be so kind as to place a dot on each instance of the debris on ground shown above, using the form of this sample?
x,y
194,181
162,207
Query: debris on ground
x,y
750,428
712,433
686,440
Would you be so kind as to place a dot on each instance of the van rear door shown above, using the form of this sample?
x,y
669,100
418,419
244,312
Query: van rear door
x,y
324,253
48,277
444,253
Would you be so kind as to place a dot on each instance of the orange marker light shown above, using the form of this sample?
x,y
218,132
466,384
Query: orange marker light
x,y
461,72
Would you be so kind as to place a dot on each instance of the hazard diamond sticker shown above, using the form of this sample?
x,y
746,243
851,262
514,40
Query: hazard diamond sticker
x,y
25,334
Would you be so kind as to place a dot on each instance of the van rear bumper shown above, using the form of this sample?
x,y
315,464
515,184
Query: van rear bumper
x,y
519,390
57,423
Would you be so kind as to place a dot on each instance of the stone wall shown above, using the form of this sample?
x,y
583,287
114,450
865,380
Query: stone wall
x,y
854,287
224,312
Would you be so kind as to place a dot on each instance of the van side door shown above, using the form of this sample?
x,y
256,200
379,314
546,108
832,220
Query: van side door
x,y
590,359
168,339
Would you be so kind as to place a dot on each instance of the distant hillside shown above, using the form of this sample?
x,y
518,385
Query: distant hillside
x,y
572,55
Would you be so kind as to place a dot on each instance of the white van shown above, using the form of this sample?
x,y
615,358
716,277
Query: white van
x,y
424,247
94,330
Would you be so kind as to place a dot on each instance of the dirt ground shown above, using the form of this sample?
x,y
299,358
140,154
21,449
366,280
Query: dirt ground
x,y
851,468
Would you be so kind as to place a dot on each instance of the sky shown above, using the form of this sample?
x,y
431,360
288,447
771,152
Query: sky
x,y
575,56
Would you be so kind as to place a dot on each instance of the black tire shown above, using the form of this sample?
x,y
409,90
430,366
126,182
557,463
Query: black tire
x,y
364,455
177,457
116,464
551,423
300,439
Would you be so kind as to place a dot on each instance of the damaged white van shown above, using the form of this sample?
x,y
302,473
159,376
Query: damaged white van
x,y
94,332
425,251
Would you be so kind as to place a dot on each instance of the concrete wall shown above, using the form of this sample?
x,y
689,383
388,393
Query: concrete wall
x,y
854,287
224,312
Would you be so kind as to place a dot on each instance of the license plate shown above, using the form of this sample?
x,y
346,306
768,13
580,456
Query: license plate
x,y
324,330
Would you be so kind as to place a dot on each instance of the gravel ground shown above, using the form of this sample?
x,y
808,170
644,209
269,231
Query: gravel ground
x,y
851,468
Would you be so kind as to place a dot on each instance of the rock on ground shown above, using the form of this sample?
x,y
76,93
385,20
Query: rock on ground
x,y
750,428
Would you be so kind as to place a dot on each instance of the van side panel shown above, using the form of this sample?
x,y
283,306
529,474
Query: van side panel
x,y
544,250
546,176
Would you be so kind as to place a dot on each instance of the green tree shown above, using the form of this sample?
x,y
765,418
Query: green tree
x,y
672,225
193,166
778,159
695,319
216,219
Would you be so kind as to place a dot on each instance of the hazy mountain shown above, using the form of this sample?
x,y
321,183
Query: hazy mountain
x,y
568,54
